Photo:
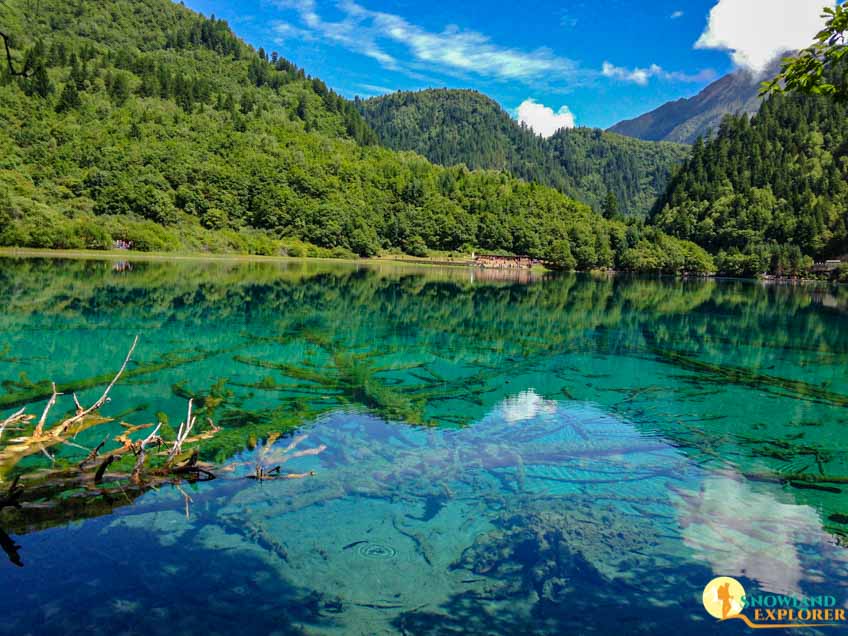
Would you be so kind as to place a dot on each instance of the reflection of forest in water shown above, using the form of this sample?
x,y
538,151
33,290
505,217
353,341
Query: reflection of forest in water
x,y
738,375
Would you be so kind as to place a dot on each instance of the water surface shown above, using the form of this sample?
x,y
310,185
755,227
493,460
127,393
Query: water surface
x,y
561,455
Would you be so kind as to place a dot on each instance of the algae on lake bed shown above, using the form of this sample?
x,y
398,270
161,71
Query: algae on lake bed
x,y
496,452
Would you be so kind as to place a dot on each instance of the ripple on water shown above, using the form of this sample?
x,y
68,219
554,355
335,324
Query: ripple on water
x,y
377,551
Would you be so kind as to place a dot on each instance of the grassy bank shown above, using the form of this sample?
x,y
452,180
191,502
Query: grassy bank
x,y
130,255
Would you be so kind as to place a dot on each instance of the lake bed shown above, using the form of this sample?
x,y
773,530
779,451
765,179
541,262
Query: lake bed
x,y
550,455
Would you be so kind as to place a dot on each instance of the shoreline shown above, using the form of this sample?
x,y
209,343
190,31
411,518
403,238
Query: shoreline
x,y
393,259
135,256
130,255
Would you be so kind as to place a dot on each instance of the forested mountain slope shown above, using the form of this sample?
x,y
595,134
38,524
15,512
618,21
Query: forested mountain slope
x,y
600,163
146,122
452,127
684,120
768,192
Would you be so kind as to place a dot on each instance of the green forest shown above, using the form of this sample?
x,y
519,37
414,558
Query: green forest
x,y
613,174
148,123
767,193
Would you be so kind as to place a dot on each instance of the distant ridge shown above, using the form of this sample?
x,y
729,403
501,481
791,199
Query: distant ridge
x,y
684,120
452,127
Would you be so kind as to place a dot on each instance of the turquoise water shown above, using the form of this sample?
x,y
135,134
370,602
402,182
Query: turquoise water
x,y
547,455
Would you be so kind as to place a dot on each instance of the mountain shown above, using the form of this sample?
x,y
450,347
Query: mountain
x,y
684,120
452,127
768,193
148,123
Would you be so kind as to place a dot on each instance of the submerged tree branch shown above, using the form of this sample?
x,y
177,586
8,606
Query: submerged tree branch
x,y
64,426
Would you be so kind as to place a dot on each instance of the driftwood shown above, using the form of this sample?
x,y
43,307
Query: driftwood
x,y
44,437
14,420
124,465
157,462
270,463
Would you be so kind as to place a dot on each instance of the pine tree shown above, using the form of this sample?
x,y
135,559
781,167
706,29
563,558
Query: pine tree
x,y
119,89
610,208
39,84
77,75
302,110
69,98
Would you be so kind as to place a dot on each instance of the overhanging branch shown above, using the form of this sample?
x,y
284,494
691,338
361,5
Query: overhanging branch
x,y
26,71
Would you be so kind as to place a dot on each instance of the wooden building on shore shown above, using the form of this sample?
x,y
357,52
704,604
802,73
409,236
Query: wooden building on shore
x,y
828,266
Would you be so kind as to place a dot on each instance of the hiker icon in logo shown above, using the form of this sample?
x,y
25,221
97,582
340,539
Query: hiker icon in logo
x,y
723,597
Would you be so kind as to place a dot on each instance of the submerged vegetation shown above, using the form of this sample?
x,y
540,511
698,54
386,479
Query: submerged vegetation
x,y
121,463
353,379
274,346
129,461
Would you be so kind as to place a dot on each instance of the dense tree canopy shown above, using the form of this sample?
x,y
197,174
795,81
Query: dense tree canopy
x,y
452,127
145,122
768,193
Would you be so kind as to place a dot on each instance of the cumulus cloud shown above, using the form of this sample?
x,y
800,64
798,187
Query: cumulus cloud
x,y
451,50
757,31
542,119
642,76
677,14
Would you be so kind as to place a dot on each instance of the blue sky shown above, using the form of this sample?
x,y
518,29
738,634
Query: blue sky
x,y
550,63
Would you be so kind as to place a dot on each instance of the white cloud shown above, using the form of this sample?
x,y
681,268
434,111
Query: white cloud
x,y
542,119
757,31
373,90
637,75
677,14
452,50
642,76
284,31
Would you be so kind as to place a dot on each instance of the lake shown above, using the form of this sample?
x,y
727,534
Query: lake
x,y
484,454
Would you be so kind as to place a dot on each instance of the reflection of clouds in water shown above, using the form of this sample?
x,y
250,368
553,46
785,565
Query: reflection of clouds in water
x,y
527,405
741,532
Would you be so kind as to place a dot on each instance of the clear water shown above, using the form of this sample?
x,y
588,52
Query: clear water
x,y
561,455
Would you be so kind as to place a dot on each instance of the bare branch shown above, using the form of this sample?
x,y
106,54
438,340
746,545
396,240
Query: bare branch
x,y
183,433
188,501
39,429
142,455
10,499
52,458
294,443
101,470
94,452
64,426
26,71
14,418
305,453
